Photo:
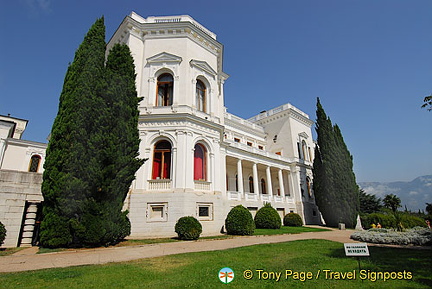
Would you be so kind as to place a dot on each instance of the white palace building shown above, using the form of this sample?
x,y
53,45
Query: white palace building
x,y
202,160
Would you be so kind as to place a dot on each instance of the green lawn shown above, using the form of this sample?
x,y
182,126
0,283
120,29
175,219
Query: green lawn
x,y
288,230
9,251
200,270
137,242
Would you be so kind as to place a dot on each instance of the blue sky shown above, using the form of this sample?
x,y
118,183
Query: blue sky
x,y
369,62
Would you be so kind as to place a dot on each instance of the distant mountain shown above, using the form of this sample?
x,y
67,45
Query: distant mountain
x,y
414,194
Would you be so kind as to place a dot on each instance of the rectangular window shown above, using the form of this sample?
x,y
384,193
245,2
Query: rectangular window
x,y
157,212
279,153
249,143
236,139
205,211
261,147
281,212
253,210
299,151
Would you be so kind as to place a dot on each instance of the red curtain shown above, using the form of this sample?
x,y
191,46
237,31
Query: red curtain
x,y
199,163
157,161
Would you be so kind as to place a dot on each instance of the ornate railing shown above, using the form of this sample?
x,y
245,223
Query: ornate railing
x,y
233,195
202,185
159,185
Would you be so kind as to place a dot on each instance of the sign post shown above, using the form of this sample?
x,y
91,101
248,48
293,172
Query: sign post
x,y
356,250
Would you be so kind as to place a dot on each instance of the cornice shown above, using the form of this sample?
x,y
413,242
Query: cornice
x,y
21,142
287,113
164,57
264,158
179,119
204,66
242,127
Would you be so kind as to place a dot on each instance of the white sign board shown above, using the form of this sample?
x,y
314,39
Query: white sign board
x,y
356,249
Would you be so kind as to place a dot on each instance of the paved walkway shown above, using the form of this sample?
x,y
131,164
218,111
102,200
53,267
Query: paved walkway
x,y
26,259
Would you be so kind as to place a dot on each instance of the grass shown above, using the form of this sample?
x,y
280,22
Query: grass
x,y
9,251
288,230
138,242
200,270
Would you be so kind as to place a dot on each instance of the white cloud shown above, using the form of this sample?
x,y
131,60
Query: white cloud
x,y
413,193
36,6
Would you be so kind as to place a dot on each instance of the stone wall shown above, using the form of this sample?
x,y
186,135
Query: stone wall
x,y
17,188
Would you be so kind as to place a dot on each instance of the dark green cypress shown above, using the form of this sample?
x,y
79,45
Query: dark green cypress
x,y
334,184
121,149
72,167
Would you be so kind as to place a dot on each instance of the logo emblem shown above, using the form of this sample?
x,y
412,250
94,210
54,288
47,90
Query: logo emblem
x,y
226,275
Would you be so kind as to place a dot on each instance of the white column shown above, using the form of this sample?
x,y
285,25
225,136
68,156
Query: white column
x,y
269,182
281,184
255,178
211,172
173,168
240,176
2,149
295,175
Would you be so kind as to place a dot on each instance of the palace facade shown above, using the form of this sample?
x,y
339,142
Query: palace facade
x,y
202,160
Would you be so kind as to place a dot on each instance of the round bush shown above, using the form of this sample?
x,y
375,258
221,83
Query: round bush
x,y
188,228
293,220
239,221
2,233
267,218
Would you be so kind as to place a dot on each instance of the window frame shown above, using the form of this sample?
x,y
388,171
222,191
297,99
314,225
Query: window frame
x,y
167,98
201,98
164,152
163,218
33,158
251,185
203,164
263,187
210,208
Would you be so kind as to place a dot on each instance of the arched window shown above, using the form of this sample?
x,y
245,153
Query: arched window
x,y
304,150
308,185
164,96
251,185
162,160
200,162
34,163
263,186
200,96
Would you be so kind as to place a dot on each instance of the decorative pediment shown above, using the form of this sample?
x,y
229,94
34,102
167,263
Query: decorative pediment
x,y
303,135
164,57
204,66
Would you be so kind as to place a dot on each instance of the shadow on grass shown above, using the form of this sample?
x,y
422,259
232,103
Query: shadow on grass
x,y
391,259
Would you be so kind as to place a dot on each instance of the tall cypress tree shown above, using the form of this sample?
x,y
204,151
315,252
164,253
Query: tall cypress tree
x,y
334,184
72,167
120,153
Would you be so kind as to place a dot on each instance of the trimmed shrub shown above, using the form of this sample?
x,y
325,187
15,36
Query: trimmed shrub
x,y
188,228
415,236
293,220
239,221
2,233
267,218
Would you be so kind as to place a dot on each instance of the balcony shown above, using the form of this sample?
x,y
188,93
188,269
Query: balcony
x,y
159,185
202,185
233,195
251,197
